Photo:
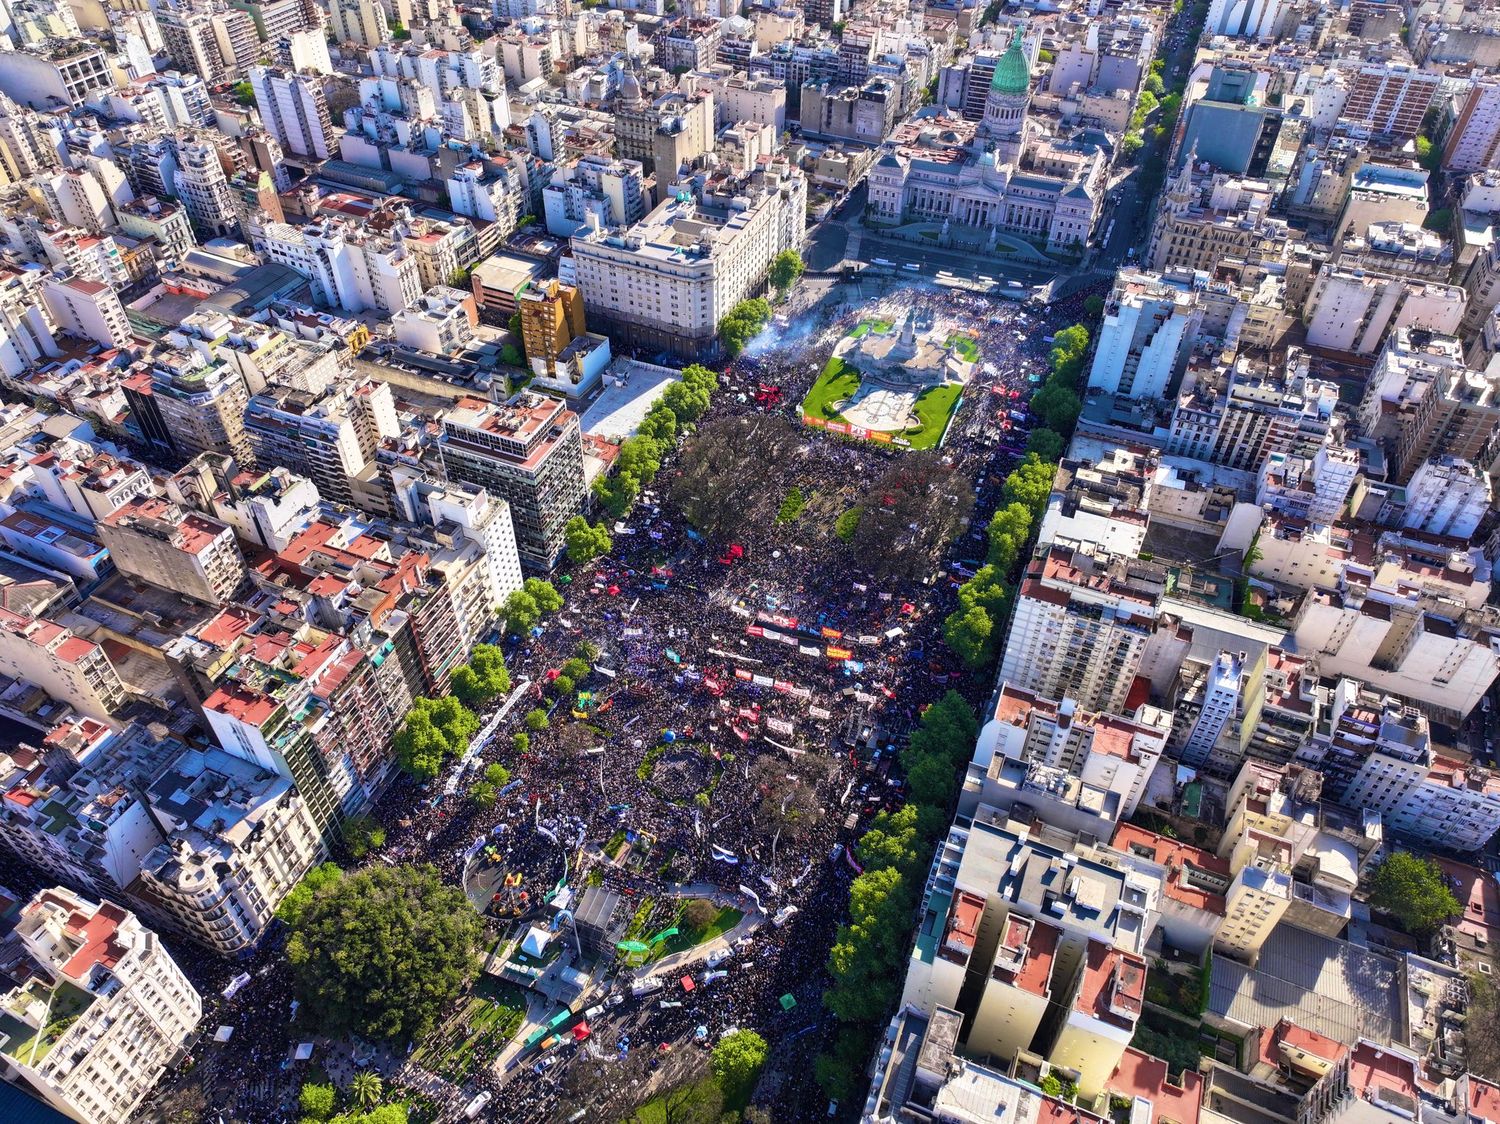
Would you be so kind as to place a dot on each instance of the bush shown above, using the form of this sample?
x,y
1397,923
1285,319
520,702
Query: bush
x,y
536,720
316,1101
847,525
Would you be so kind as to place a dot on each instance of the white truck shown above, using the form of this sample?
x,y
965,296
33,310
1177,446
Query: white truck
x,y
646,985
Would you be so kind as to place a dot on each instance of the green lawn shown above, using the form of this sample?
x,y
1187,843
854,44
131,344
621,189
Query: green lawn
x,y
967,349
838,382
865,327
727,919
934,406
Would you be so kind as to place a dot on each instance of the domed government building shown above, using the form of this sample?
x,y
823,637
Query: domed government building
x,y
1004,174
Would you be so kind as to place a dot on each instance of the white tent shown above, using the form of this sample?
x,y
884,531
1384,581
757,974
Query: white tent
x,y
535,944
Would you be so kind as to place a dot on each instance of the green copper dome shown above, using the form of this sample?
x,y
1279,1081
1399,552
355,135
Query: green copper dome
x,y
1012,74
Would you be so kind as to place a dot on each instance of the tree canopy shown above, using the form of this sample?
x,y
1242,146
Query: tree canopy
x,y
483,678
737,1060
1414,891
786,267
586,542
911,512
383,953
434,729
743,323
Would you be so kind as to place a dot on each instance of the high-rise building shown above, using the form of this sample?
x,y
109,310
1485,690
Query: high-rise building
x,y
153,540
101,1013
1473,142
203,188
357,21
192,43
1243,19
293,108
1149,328
68,667
1422,401
1080,627
527,452
87,309
1389,99
321,436
1446,496
185,404
551,318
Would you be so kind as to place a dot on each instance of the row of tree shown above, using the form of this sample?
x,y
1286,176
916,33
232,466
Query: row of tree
x,y
867,961
680,405
973,630
1057,403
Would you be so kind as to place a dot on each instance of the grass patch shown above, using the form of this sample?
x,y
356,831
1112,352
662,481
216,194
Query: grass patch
x,y
686,938
934,407
865,327
838,382
679,1104
791,510
967,348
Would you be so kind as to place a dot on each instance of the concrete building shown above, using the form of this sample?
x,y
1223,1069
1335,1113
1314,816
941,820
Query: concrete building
x,y
1354,311
527,452
1237,415
57,70
1080,627
357,21
68,667
294,110
862,114
1029,933
1422,401
1313,488
162,220
87,309
1388,99
561,354
667,281
441,322
1448,497
1380,757
1431,650
156,542
1191,905
479,517
1473,140
595,190
238,839
203,188
1148,330
100,1012
329,437
1243,19
350,267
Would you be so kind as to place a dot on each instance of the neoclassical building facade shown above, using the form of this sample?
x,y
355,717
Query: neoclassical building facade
x,y
997,174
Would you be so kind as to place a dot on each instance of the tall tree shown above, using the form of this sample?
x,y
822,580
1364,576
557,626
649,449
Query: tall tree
x,y
383,953
1413,890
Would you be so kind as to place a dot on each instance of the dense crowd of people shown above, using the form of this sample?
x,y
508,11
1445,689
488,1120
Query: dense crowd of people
x,y
744,702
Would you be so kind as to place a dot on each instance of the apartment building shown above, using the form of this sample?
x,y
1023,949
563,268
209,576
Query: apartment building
x,y
1149,328
87,309
1473,140
202,187
68,667
294,110
1380,757
153,540
1237,415
1388,99
162,220
1354,311
1034,938
1112,753
350,268
1422,401
56,70
666,282
360,22
441,322
238,838
328,437
595,191
1080,626
98,1010
528,452
1191,905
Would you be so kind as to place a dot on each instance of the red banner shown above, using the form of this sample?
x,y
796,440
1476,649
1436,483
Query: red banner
x,y
832,634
